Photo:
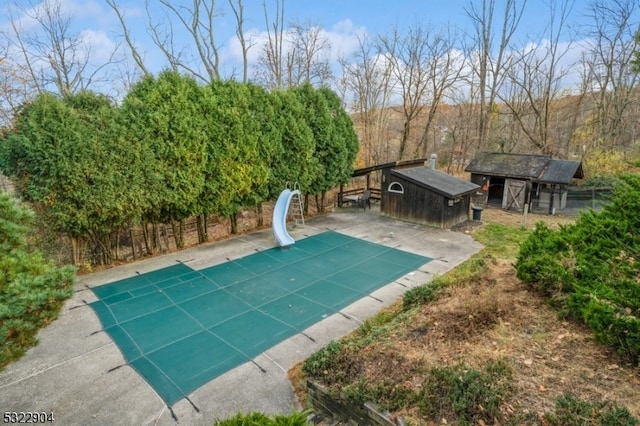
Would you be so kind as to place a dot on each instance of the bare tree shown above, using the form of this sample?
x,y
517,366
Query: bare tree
x,y
490,60
295,55
308,55
422,70
238,11
445,66
270,71
459,131
197,20
52,55
137,57
407,55
184,32
366,76
15,84
533,83
611,75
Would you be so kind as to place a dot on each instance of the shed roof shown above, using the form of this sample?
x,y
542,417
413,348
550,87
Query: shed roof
x,y
441,183
541,168
508,165
561,171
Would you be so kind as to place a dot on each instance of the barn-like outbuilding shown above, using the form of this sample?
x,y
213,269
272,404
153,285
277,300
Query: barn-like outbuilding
x,y
513,181
426,196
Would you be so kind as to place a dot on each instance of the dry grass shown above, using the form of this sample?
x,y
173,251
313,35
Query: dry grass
x,y
498,317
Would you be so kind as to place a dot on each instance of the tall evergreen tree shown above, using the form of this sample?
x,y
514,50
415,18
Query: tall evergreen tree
x,y
334,139
68,155
235,175
294,161
164,114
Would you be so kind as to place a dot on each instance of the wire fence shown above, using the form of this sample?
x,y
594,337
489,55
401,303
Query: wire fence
x,y
573,200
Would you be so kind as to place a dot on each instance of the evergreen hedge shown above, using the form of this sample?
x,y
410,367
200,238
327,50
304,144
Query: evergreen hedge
x,y
591,269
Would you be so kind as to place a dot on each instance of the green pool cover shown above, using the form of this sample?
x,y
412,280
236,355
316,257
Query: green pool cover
x,y
180,328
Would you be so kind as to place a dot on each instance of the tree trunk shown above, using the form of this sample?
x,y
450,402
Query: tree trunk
x,y
406,129
234,223
145,237
116,251
201,224
150,238
107,254
259,214
156,243
76,250
178,236
133,243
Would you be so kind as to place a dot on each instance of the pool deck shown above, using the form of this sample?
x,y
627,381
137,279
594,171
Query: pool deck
x,y
78,373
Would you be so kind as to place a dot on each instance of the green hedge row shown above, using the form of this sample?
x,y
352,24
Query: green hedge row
x,y
172,150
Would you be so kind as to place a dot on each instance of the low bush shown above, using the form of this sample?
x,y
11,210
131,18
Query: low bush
x,y
570,411
387,394
467,395
335,365
298,418
420,295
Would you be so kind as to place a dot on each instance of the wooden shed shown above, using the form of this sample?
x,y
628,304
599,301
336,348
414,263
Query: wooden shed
x,y
512,181
425,196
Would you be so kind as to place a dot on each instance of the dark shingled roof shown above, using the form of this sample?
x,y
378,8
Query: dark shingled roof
x,y
540,168
561,171
441,183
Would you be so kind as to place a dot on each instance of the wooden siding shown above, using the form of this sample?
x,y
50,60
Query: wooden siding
x,y
420,205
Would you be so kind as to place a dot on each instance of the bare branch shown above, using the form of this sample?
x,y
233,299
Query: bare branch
x,y
238,11
127,37
53,55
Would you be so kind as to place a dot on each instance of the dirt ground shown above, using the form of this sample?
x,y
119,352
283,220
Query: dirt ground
x,y
518,219
499,317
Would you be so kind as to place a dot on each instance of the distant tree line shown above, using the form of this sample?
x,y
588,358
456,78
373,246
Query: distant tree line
x,y
495,82
173,149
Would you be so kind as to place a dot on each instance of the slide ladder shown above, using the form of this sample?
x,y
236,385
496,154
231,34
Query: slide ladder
x,y
297,208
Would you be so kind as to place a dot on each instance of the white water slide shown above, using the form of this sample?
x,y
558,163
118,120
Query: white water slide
x,y
279,222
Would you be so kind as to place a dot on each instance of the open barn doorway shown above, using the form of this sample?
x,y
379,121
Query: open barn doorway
x,y
496,191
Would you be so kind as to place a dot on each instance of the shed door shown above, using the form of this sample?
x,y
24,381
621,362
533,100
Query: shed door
x,y
514,194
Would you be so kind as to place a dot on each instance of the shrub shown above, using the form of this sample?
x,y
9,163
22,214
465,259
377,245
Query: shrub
x,y
298,418
570,411
335,364
471,396
420,295
32,290
387,394
590,269
542,261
